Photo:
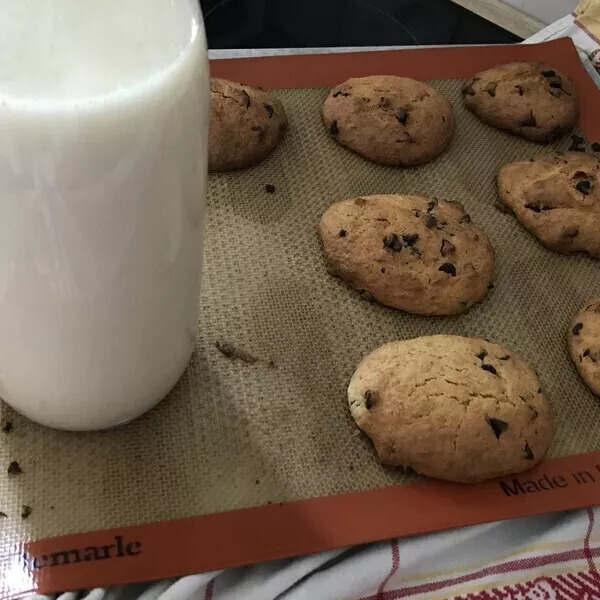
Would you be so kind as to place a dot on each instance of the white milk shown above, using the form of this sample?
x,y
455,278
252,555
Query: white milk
x,y
103,133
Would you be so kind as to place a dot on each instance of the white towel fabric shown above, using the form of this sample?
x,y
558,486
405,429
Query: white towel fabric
x,y
546,557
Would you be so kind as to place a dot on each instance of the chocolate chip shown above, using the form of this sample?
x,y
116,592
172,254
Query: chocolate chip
x,y
447,248
529,121
269,109
539,392
489,369
538,207
490,286
577,328
527,453
586,352
579,175
584,186
556,132
549,73
392,242
465,219
259,130
417,213
402,116
26,512
571,231
448,268
431,205
383,269
384,102
482,355
270,188
498,426
555,84
576,144
14,468
504,357
490,88
342,233
333,129
520,89
340,93
430,222
468,89
247,99
596,146
7,427
369,400
410,238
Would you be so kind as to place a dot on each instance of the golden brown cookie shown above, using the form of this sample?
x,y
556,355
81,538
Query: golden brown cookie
x,y
417,254
390,120
557,198
245,125
584,343
450,407
530,99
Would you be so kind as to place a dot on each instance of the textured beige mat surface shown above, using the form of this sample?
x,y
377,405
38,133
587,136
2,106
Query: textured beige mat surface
x,y
236,434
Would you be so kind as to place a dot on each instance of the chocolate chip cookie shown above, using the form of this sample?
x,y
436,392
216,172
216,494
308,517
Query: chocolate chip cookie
x,y
451,407
418,254
245,125
557,198
530,99
390,120
584,343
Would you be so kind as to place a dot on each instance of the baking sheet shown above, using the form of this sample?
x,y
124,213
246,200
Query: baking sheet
x,y
263,421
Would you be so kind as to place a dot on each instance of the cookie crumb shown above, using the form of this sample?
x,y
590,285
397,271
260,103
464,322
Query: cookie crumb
x,y
26,512
14,468
230,351
269,188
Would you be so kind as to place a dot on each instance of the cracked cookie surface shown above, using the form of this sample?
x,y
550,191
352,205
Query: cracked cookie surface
x,y
246,124
390,120
584,343
414,253
557,198
530,99
450,407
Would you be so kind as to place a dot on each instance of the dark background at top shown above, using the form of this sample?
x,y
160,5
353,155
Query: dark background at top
x,y
321,23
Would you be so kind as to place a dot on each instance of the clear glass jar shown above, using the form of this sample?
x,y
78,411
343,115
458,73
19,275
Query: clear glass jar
x,y
103,163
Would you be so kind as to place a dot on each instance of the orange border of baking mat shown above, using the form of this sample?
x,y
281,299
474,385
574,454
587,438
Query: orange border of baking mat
x,y
194,544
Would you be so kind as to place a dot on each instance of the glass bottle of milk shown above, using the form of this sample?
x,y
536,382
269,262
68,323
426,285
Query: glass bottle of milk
x,y
103,161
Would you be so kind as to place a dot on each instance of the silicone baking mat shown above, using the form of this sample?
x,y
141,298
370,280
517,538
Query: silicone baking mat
x,y
254,455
